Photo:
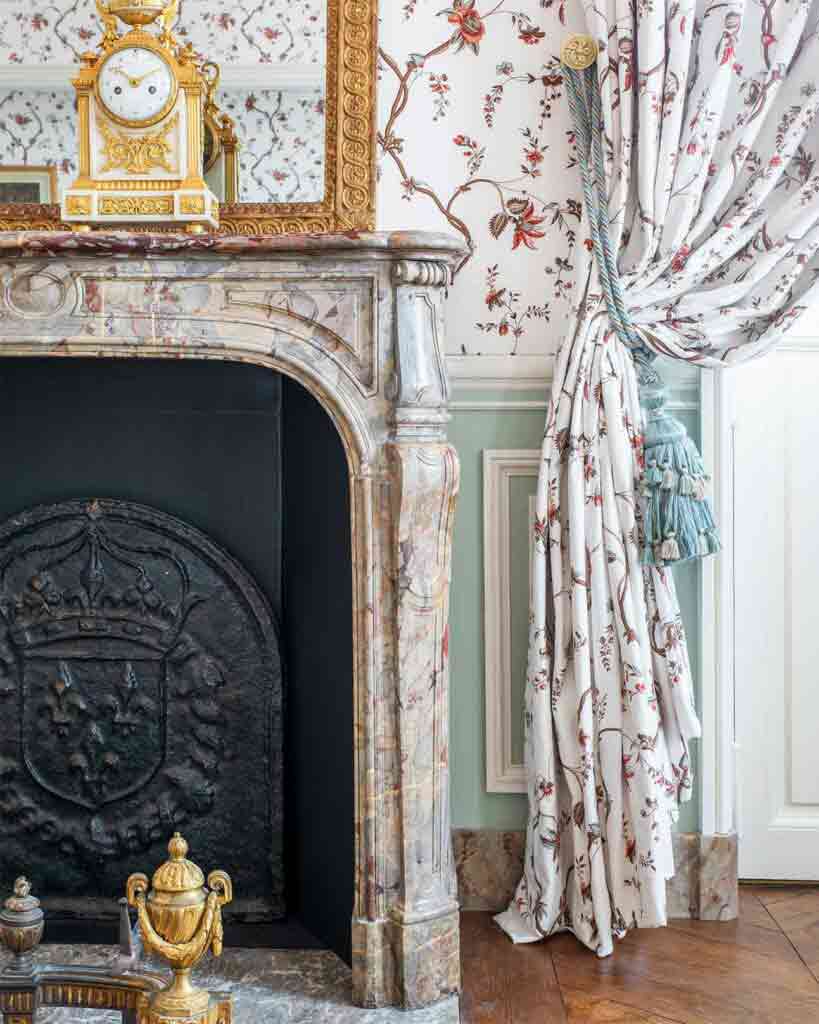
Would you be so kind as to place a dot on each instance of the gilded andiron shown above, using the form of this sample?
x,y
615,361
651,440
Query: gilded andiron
x,y
21,925
30,987
180,920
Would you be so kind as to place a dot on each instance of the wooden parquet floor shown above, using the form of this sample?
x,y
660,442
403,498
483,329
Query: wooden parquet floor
x,y
761,969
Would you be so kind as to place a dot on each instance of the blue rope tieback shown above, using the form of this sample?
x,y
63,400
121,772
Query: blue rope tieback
x,y
677,522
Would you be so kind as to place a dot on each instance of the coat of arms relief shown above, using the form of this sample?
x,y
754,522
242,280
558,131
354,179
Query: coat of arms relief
x,y
139,670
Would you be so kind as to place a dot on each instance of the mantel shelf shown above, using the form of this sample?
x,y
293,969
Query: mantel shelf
x,y
406,244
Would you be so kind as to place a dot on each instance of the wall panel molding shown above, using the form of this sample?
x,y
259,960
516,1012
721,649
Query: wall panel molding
x,y
500,468
497,406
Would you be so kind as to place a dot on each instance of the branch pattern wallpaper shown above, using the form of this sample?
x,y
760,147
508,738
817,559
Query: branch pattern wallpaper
x,y
474,139
290,31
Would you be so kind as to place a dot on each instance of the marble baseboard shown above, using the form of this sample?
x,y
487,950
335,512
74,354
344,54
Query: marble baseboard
x,y
489,864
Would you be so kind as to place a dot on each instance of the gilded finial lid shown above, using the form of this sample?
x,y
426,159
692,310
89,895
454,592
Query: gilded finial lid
x,y
22,902
138,12
178,874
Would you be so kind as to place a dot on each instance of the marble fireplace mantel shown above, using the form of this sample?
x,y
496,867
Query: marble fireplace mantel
x,y
358,321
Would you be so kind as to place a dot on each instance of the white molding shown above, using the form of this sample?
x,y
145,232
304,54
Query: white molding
x,y
806,344
500,406
500,467
510,405
277,77
516,373
719,750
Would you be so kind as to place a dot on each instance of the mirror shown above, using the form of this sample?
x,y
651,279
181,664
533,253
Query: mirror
x,y
280,65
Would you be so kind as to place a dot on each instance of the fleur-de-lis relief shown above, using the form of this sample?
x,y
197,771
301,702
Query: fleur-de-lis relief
x,y
94,764
64,703
130,708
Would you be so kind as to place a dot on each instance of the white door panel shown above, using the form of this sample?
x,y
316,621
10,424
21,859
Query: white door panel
x,y
776,578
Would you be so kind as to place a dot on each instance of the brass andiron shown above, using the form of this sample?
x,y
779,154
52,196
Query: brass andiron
x,y
21,926
180,920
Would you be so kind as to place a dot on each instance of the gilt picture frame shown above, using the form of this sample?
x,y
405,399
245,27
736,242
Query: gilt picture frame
x,y
348,203
27,183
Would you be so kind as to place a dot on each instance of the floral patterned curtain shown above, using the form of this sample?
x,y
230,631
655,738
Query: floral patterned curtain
x,y
710,137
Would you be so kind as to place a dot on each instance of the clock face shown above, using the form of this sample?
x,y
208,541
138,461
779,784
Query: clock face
x,y
136,85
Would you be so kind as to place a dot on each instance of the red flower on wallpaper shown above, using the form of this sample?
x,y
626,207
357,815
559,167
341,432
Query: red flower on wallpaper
x,y
531,34
470,28
526,223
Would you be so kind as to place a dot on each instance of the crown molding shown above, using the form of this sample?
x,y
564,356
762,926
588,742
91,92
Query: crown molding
x,y
513,373
278,78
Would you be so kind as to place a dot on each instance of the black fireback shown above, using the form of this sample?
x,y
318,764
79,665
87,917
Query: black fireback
x,y
141,690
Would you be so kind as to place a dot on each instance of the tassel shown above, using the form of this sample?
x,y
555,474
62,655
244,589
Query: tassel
x,y
677,520
653,476
670,549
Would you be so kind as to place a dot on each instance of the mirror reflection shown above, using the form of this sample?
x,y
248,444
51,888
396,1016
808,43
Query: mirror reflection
x,y
269,60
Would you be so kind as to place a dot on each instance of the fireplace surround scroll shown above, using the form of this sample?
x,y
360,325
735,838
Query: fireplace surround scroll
x,y
357,321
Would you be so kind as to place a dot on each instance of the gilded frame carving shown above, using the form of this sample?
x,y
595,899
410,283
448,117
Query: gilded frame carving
x,y
350,137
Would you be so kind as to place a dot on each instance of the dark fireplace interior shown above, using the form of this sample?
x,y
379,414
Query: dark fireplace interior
x,y
248,458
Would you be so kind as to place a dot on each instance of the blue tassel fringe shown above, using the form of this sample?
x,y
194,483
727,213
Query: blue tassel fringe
x,y
677,521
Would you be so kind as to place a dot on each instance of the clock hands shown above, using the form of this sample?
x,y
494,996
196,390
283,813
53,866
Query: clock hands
x,y
138,81
134,82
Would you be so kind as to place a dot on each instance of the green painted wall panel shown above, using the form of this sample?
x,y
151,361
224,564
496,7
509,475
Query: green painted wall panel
x,y
473,431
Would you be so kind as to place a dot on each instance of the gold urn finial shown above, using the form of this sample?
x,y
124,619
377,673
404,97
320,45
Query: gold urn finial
x,y
177,847
22,888
21,924
137,14
180,919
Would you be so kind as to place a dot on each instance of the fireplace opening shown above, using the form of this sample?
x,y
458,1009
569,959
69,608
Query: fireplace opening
x,y
249,464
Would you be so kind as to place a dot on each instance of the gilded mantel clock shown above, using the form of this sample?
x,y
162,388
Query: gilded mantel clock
x,y
141,105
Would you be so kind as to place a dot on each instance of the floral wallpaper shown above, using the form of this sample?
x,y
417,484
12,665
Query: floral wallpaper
x,y
35,32
282,159
474,135
474,139
282,154
38,128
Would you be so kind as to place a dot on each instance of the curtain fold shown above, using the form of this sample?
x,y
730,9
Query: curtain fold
x,y
709,139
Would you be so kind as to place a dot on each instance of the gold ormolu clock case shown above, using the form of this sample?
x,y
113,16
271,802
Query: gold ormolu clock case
x,y
141,169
